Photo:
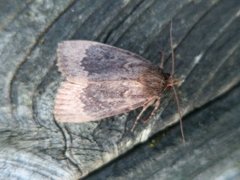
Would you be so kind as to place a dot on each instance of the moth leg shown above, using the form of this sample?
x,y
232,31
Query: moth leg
x,y
156,106
149,103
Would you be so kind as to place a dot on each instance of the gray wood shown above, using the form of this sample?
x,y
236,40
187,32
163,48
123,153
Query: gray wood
x,y
206,41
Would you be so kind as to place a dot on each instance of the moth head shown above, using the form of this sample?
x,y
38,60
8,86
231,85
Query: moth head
x,y
170,81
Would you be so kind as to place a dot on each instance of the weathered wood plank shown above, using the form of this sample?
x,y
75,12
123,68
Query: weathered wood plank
x,y
206,37
211,152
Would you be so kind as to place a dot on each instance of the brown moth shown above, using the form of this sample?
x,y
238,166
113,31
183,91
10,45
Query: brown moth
x,y
103,81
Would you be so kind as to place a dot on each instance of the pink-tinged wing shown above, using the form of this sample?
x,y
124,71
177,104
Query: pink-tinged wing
x,y
102,81
95,61
90,101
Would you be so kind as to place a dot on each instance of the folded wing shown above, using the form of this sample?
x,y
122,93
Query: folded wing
x,y
94,101
98,62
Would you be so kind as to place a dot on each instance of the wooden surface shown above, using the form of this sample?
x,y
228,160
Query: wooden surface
x,y
207,48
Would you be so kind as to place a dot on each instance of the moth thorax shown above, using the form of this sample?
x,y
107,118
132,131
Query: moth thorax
x,y
154,81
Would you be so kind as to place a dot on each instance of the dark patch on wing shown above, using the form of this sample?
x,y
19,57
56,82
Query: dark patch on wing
x,y
101,59
112,63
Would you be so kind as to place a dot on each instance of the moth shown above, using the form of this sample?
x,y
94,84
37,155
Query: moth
x,y
103,81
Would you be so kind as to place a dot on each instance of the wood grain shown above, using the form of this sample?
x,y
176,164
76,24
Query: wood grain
x,y
207,46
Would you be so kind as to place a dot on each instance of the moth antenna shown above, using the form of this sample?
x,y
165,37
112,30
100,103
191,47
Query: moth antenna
x,y
179,112
173,87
